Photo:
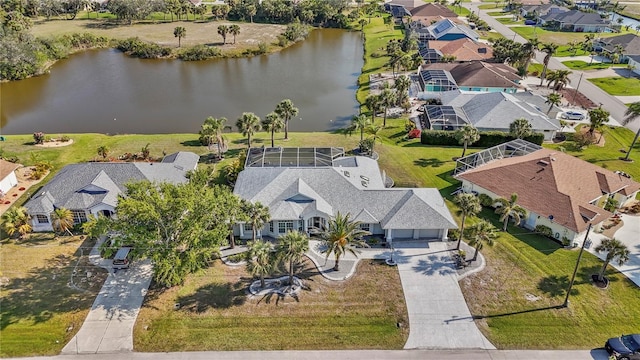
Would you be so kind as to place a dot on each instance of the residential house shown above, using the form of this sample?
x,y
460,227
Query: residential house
x,y
305,187
538,10
397,11
629,44
442,30
407,4
634,63
463,50
427,14
93,188
7,176
576,21
558,190
531,2
474,76
493,111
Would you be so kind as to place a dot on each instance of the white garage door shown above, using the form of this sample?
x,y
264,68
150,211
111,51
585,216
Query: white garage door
x,y
429,233
402,234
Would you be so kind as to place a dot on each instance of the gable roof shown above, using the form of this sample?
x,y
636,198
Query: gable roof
x,y
576,17
6,168
629,42
479,74
446,26
552,183
408,4
431,9
353,190
85,185
463,49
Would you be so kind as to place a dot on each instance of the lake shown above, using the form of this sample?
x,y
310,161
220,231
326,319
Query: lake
x,y
105,91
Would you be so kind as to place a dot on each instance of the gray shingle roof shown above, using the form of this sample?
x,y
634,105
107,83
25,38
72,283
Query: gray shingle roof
x,y
629,42
83,186
576,17
367,200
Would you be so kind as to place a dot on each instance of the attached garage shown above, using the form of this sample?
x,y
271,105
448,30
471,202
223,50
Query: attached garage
x,y
402,234
429,233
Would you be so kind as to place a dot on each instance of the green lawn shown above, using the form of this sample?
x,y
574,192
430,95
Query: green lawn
x,y
508,21
618,86
489,6
461,11
564,51
489,35
498,13
558,37
583,65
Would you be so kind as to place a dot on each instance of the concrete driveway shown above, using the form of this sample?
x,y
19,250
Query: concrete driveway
x,y
629,234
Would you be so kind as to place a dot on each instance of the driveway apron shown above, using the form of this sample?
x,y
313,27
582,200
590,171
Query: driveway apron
x,y
438,314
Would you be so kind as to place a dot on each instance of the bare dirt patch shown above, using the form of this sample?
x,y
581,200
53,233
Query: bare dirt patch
x,y
55,143
23,175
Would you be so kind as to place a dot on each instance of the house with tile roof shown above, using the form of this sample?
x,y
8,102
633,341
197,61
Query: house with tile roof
x,y
558,190
303,194
430,13
93,188
7,176
493,111
464,50
478,76
576,21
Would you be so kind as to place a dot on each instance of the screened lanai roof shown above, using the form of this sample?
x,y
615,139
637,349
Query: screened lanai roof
x,y
292,157
430,55
445,115
439,77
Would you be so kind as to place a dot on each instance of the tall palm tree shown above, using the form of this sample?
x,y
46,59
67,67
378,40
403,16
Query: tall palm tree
x,y
632,113
469,205
466,136
211,130
402,84
272,123
374,135
614,249
291,248
549,49
373,104
481,233
103,151
560,79
387,98
62,220
16,219
235,31
248,124
509,209
179,32
342,235
259,259
359,123
520,128
528,52
553,99
257,216
597,119
286,110
223,30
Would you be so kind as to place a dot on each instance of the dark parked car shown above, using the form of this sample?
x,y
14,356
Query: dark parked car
x,y
625,347
529,22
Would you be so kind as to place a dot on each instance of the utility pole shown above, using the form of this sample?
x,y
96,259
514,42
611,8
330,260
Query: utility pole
x,y
576,92
575,271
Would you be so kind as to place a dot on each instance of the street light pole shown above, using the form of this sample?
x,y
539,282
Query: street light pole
x,y
575,271
576,92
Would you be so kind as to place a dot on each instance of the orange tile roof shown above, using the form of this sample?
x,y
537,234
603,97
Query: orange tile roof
x,y
6,168
463,49
553,183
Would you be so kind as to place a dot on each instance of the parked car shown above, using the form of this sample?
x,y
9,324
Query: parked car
x,y
572,115
529,22
121,260
625,347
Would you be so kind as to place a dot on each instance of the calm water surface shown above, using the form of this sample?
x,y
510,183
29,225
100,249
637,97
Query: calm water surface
x,y
107,92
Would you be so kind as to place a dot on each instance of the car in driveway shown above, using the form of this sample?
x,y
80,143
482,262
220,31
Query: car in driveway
x,y
572,115
625,347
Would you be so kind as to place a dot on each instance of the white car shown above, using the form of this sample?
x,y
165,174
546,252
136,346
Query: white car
x,y
572,115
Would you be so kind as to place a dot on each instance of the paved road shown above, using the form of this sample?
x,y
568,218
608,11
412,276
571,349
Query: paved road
x,y
615,107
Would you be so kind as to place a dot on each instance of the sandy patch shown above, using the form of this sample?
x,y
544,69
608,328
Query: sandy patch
x,y
55,143
24,183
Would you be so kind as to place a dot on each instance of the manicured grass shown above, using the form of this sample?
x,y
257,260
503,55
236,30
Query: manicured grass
x,y
489,6
498,13
40,311
460,10
564,51
583,65
618,86
557,37
489,35
508,21
216,314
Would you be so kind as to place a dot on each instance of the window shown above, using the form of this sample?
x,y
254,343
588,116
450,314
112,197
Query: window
x,y
248,227
285,226
365,227
271,226
79,216
42,219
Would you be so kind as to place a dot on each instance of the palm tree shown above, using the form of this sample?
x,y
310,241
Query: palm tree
x,y
62,220
257,215
466,136
291,248
103,151
614,249
469,205
508,209
259,259
561,79
632,113
402,84
16,219
374,135
597,119
553,99
342,235
387,98
286,110
528,52
520,128
235,31
362,23
223,30
248,124
272,123
179,32
373,104
359,122
211,130
549,49
481,233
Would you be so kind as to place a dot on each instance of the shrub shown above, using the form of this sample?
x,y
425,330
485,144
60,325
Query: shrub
x,y
140,49
487,138
454,234
566,241
65,138
544,230
262,48
38,137
485,200
414,134
199,52
236,258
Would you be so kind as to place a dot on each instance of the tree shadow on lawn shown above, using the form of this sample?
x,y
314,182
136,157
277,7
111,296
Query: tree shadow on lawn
x,y
431,162
195,143
43,293
584,275
556,286
215,296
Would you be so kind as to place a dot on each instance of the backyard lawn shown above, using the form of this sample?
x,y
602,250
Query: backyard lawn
x,y
565,50
583,65
618,86
557,37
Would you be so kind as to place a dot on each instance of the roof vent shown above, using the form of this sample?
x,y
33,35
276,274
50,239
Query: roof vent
x,y
346,173
364,178
543,163
364,183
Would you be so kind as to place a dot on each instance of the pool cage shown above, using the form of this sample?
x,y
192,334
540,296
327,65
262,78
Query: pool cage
x,y
292,157
517,147
443,117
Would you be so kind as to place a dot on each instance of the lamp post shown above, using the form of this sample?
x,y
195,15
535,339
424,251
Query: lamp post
x,y
575,271
576,92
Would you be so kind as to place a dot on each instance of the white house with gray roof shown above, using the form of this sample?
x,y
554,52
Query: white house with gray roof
x,y
303,194
93,188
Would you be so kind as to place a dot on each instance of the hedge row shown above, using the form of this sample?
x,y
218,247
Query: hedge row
x,y
487,138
